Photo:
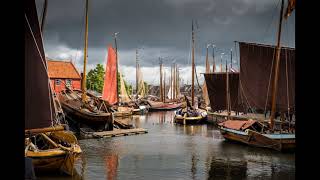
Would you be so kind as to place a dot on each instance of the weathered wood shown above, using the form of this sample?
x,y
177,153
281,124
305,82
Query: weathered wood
x,y
43,130
119,132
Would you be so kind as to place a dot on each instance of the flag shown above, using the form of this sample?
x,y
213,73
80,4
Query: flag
x,y
290,8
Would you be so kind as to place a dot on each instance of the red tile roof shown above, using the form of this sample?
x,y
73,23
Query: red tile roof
x,y
62,69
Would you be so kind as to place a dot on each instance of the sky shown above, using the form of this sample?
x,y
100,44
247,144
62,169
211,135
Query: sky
x,y
160,28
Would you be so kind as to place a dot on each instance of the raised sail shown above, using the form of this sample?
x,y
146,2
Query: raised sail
x,y
123,92
257,71
109,92
38,98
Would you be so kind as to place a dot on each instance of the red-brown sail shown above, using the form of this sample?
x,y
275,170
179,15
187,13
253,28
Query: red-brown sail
x,y
109,92
256,61
38,100
216,86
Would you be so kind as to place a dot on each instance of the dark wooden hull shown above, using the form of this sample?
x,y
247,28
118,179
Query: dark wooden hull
x,y
101,121
256,139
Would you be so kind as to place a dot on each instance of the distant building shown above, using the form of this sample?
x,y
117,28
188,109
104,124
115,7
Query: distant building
x,y
62,74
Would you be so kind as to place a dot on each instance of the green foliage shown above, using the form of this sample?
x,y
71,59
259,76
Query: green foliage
x,y
95,78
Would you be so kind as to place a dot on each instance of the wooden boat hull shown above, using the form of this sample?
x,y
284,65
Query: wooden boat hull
x,y
53,160
101,121
140,111
59,159
189,120
256,139
122,114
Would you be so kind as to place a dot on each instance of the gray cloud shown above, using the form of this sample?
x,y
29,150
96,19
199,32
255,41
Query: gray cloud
x,y
162,27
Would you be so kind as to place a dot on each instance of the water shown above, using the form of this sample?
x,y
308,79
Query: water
x,y
171,151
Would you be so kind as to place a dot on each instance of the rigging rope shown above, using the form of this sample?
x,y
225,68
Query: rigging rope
x,y
273,56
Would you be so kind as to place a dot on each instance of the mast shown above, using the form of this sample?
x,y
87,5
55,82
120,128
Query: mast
x,y
276,74
231,59
164,86
171,82
178,81
174,80
207,60
221,62
115,42
192,85
137,76
214,63
44,14
84,97
161,93
227,89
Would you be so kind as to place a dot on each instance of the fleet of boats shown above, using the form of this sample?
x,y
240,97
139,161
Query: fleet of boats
x,y
238,102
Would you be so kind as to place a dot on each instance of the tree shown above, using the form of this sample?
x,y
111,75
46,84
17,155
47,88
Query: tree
x,y
95,78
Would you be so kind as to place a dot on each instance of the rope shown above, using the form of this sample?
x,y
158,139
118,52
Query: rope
x,y
273,15
273,56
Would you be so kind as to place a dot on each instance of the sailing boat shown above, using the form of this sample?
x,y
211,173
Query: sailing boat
x,y
83,108
206,103
174,91
140,107
190,114
110,90
162,104
256,70
47,144
223,88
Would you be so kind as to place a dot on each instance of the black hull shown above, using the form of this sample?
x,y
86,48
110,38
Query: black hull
x,y
102,121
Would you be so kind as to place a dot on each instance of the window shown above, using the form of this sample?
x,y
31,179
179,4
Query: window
x,y
58,82
68,82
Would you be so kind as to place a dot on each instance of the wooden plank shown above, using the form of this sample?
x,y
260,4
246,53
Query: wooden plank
x,y
120,132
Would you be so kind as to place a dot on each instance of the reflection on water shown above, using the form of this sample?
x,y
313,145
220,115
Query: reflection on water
x,y
171,151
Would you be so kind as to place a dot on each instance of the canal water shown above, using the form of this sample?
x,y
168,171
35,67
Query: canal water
x,y
171,151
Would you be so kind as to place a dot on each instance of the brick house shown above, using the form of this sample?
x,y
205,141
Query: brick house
x,y
62,73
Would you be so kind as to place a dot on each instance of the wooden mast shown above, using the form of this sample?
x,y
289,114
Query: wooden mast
x,y
214,63
192,85
174,81
276,74
178,81
116,46
137,76
221,63
207,60
161,93
227,89
164,86
84,97
171,82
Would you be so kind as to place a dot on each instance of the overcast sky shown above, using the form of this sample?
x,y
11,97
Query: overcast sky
x,y
159,28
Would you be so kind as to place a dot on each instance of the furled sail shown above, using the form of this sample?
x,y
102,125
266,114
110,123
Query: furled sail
x,y
216,86
109,92
141,88
170,91
38,98
123,92
256,69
